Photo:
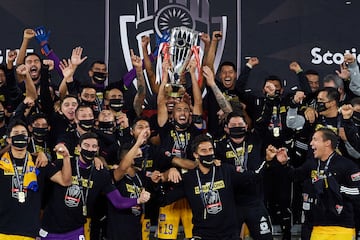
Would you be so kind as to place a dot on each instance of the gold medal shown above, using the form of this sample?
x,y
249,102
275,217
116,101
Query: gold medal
x,y
21,197
84,211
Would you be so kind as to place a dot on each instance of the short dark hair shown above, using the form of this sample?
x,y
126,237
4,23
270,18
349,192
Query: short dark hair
x,y
14,123
311,72
328,134
97,62
273,78
228,63
37,116
200,139
81,107
32,54
88,135
332,93
70,96
139,119
234,114
83,86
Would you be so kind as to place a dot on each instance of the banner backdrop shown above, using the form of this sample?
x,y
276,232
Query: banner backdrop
x,y
314,32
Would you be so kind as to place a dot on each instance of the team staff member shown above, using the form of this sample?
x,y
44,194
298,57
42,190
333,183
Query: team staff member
x,y
210,191
335,181
22,185
243,150
66,212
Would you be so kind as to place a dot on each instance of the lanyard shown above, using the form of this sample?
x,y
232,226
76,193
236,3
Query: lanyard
x,y
135,186
327,164
202,194
19,177
182,145
84,197
243,158
34,146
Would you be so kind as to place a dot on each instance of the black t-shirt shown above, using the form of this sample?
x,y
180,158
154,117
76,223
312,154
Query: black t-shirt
x,y
175,143
64,211
219,220
125,223
249,157
21,218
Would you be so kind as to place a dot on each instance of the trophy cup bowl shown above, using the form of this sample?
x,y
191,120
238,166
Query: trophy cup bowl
x,y
181,43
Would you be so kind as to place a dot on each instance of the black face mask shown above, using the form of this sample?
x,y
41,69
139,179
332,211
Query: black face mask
x,y
320,107
237,132
87,156
86,125
116,104
356,118
139,162
99,77
19,141
87,103
40,133
181,126
105,126
207,160
2,116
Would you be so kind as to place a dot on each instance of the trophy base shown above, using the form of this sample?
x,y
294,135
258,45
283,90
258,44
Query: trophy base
x,y
175,90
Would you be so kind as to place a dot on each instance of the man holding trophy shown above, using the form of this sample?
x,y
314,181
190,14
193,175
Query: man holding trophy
x,y
176,135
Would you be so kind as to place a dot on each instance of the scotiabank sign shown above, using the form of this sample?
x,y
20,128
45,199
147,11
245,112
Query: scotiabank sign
x,y
321,56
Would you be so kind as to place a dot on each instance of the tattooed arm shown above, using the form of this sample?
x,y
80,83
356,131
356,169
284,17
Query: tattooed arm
x,y
141,90
210,81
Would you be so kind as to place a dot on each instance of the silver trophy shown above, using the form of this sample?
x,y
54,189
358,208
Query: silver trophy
x,y
180,49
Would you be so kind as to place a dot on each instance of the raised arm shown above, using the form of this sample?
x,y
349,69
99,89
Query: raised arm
x,y
303,81
43,37
210,56
29,84
210,81
353,68
145,40
161,98
197,108
128,159
141,88
68,69
63,177
28,35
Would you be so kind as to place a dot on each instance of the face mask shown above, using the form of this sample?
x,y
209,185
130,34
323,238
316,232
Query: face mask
x,y
86,125
237,132
2,116
19,141
207,160
182,126
320,107
87,103
106,126
139,162
356,118
40,133
99,77
116,104
87,156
